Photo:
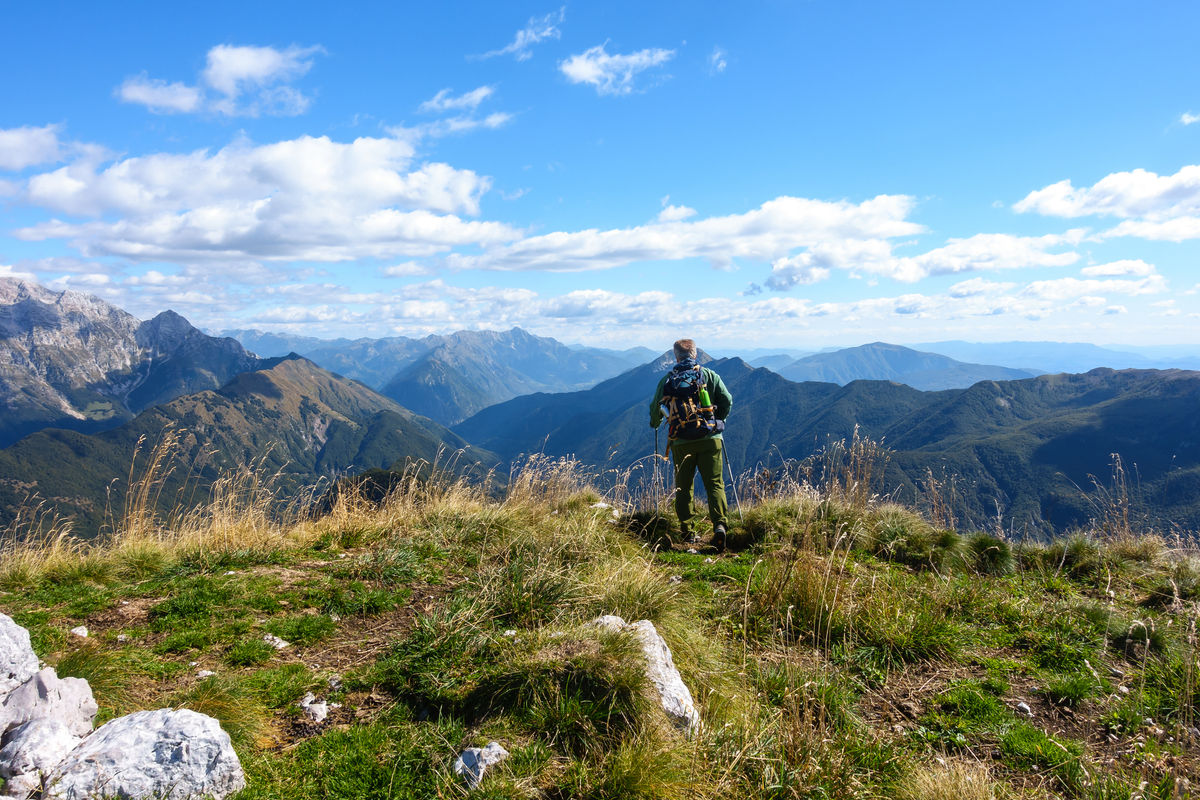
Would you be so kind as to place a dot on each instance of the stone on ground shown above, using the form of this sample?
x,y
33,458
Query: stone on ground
x,y
31,751
169,754
68,700
18,662
673,693
473,763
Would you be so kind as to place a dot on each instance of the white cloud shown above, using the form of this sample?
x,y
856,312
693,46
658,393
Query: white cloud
x,y
1060,289
611,74
874,255
717,60
1137,194
28,146
538,29
308,198
248,81
1189,119
445,101
1172,230
672,213
407,269
159,96
770,232
8,271
1130,267
232,70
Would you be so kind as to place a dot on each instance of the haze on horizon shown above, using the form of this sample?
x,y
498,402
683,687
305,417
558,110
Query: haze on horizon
x,y
789,176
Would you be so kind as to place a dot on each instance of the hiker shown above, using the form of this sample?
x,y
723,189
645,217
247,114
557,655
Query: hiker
x,y
694,426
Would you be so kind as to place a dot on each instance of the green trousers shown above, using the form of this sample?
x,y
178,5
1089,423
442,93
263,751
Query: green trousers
x,y
703,455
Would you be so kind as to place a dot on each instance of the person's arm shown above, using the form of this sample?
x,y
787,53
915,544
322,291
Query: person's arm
x,y
721,399
656,415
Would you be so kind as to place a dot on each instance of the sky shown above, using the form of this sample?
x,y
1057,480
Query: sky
x,y
761,174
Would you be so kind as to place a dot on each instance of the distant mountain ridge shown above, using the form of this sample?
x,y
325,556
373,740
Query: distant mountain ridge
x,y
1074,357
71,360
449,377
880,361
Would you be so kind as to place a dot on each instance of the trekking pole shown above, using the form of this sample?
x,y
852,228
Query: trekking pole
x,y
733,486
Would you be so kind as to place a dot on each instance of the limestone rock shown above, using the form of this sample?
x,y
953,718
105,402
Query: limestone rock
x,y
69,700
169,754
315,710
18,662
32,750
473,763
673,693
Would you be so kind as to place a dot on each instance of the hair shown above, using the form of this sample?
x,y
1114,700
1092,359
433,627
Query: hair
x,y
684,348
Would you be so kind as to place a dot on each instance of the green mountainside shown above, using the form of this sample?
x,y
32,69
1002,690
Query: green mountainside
x,y
1030,451
292,420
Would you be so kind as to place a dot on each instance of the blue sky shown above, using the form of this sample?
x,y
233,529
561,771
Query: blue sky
x,y
760,174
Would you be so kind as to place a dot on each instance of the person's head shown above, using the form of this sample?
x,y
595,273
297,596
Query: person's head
x,y
684,348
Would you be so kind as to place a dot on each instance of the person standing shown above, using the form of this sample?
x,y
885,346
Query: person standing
x,y
696,404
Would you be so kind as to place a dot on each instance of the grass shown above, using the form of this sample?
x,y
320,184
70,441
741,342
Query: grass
x,y
847,647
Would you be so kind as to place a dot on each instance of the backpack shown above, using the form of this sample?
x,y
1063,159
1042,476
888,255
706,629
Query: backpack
x,y
687,416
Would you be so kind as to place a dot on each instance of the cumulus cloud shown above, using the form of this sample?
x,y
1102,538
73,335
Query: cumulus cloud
x,y
1135,194
1189,119
238,80
1157,207
772,231
611,74
405,270
445,100
159,96
538,29
671,213
1060,289
307,198
1130,267
9,271
28,146
979,253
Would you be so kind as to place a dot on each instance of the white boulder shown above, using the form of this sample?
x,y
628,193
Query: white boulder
x,y
18,662
168,754
31,750
68,700
673,693
473,762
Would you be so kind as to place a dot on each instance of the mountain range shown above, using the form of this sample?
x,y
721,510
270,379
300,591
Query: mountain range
x,y
73,361
86,386
450,377
291,420
1025,454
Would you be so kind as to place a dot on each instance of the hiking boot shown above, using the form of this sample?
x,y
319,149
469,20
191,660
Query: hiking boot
x,y
691,537
718,539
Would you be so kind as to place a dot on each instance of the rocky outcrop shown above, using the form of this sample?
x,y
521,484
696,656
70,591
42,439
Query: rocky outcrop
x,y
71,360
45,695
674,696
173,754
48,748
18,662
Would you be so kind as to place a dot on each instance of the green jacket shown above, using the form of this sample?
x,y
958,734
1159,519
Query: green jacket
x,y
721,399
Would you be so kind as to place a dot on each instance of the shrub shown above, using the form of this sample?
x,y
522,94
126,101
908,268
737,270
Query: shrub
x,y
989,555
